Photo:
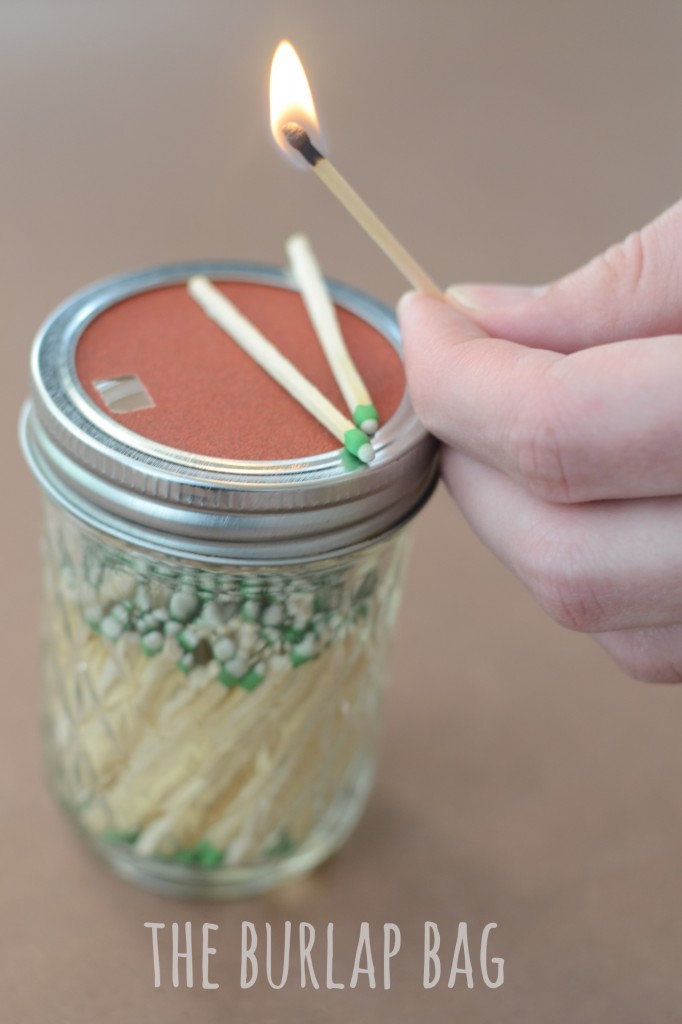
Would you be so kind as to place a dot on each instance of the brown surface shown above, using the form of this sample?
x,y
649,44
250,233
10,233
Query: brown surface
x,y
523,779
205,389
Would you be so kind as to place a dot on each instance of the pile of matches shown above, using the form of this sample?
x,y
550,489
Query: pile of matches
x,y
354,433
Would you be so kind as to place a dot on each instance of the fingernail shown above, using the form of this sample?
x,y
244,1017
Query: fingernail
x,y
404,301
491,296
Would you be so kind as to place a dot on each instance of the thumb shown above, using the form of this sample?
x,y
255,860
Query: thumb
x,y
634,289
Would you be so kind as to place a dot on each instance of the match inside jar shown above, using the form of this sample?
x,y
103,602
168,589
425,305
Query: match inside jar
x,y
211,721
204,716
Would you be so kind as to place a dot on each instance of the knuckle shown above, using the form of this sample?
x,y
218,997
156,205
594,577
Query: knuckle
x,y
612,280
560,579
623,265
540,447
618,273
641,654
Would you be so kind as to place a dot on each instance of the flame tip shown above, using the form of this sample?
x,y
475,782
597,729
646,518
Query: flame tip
x,y
291,101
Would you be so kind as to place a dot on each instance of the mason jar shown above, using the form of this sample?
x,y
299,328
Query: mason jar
x,y
220,581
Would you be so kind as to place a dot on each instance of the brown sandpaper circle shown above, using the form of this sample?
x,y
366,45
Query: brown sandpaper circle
x,y
209,397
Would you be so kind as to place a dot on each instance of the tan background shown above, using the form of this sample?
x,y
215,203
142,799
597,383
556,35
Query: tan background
x,y
523,780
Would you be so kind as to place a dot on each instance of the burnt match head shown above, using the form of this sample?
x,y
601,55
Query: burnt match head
x,y
298,139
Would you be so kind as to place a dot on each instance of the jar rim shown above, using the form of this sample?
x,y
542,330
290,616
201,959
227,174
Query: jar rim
x,y
181,502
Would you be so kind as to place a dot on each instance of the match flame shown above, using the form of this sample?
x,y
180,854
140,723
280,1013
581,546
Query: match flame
x,y
290,96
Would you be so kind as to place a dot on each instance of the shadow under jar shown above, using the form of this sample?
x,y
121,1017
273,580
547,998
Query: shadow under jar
x,y
221,582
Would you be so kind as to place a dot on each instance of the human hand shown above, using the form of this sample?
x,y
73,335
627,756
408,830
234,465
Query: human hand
x,y
562,412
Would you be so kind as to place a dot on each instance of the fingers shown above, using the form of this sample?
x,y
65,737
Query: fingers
x,y
600,423
634,289
613,569
594,568
651,655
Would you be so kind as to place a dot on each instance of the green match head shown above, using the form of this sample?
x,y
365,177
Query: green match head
x,y
359,445
228,678
253,678
366,418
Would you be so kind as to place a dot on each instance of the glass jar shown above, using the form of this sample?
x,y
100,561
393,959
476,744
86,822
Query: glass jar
x,y
216,630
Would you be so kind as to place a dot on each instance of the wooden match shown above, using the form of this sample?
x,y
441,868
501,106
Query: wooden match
x,y
219,308
318,302
299,140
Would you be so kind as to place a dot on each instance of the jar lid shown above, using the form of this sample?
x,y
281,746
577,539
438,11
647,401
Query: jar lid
x,y
167,479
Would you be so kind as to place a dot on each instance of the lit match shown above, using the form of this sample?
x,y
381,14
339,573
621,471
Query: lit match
x,y
293,119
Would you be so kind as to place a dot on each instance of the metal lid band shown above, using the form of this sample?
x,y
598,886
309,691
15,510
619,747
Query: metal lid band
x,y
210,508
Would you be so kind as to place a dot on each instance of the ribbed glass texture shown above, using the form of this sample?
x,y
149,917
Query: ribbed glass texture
x,y
211,728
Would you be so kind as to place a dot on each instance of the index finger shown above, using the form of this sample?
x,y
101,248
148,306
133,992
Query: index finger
x,y
599,423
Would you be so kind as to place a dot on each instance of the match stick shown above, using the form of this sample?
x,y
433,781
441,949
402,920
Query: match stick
x,y
322,312
299,140
219,308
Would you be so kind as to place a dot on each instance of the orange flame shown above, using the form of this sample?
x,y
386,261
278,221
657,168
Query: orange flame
x,y
290,96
